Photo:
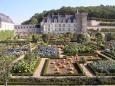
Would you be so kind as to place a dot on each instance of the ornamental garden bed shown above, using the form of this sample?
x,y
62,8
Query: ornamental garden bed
x,y
48,52
90,58
93,57
80,49
62,67
87,54
102,68
24,68
109,54
12,49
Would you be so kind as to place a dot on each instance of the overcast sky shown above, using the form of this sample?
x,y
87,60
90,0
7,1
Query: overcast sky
x,y
21,10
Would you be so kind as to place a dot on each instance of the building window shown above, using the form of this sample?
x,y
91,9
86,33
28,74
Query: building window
x,y
74,25
74,21
74,29
68,25
61,21
55,20
63,25
59,25
69,21
48,29
59,29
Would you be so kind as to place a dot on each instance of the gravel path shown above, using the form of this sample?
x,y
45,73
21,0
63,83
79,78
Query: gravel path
x,y
38,71
86,71
61,53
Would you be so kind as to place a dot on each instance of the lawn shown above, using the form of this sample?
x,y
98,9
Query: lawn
x,y
7,34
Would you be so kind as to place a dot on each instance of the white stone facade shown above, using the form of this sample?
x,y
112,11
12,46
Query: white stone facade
x,y
64,23
93,23
25,30
5,22
6,26
58,28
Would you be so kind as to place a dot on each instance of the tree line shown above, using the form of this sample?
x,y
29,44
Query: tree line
x,y
103,13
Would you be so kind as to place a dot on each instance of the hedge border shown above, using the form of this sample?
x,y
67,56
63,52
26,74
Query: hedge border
x,y
63,81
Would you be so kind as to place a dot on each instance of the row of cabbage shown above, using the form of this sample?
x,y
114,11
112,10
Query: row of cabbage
x,y
14,51
47,51
109,54
103,66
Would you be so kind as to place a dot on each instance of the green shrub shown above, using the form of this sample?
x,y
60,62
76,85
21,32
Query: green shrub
x,y
73,49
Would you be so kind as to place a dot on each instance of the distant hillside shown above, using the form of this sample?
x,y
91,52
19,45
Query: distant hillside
x,y
104,13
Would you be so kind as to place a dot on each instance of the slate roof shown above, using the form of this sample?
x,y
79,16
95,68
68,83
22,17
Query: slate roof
x,y
5,18
59,18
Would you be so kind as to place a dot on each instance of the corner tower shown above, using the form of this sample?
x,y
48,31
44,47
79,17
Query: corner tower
x,y
81,19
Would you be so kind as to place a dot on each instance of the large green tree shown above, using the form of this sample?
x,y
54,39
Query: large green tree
x,y
100,38
33,20
83,38
45,37
109,37
103,13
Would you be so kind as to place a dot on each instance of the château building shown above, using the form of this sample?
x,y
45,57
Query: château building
x,y
25,30
54,24
58,24
5,22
